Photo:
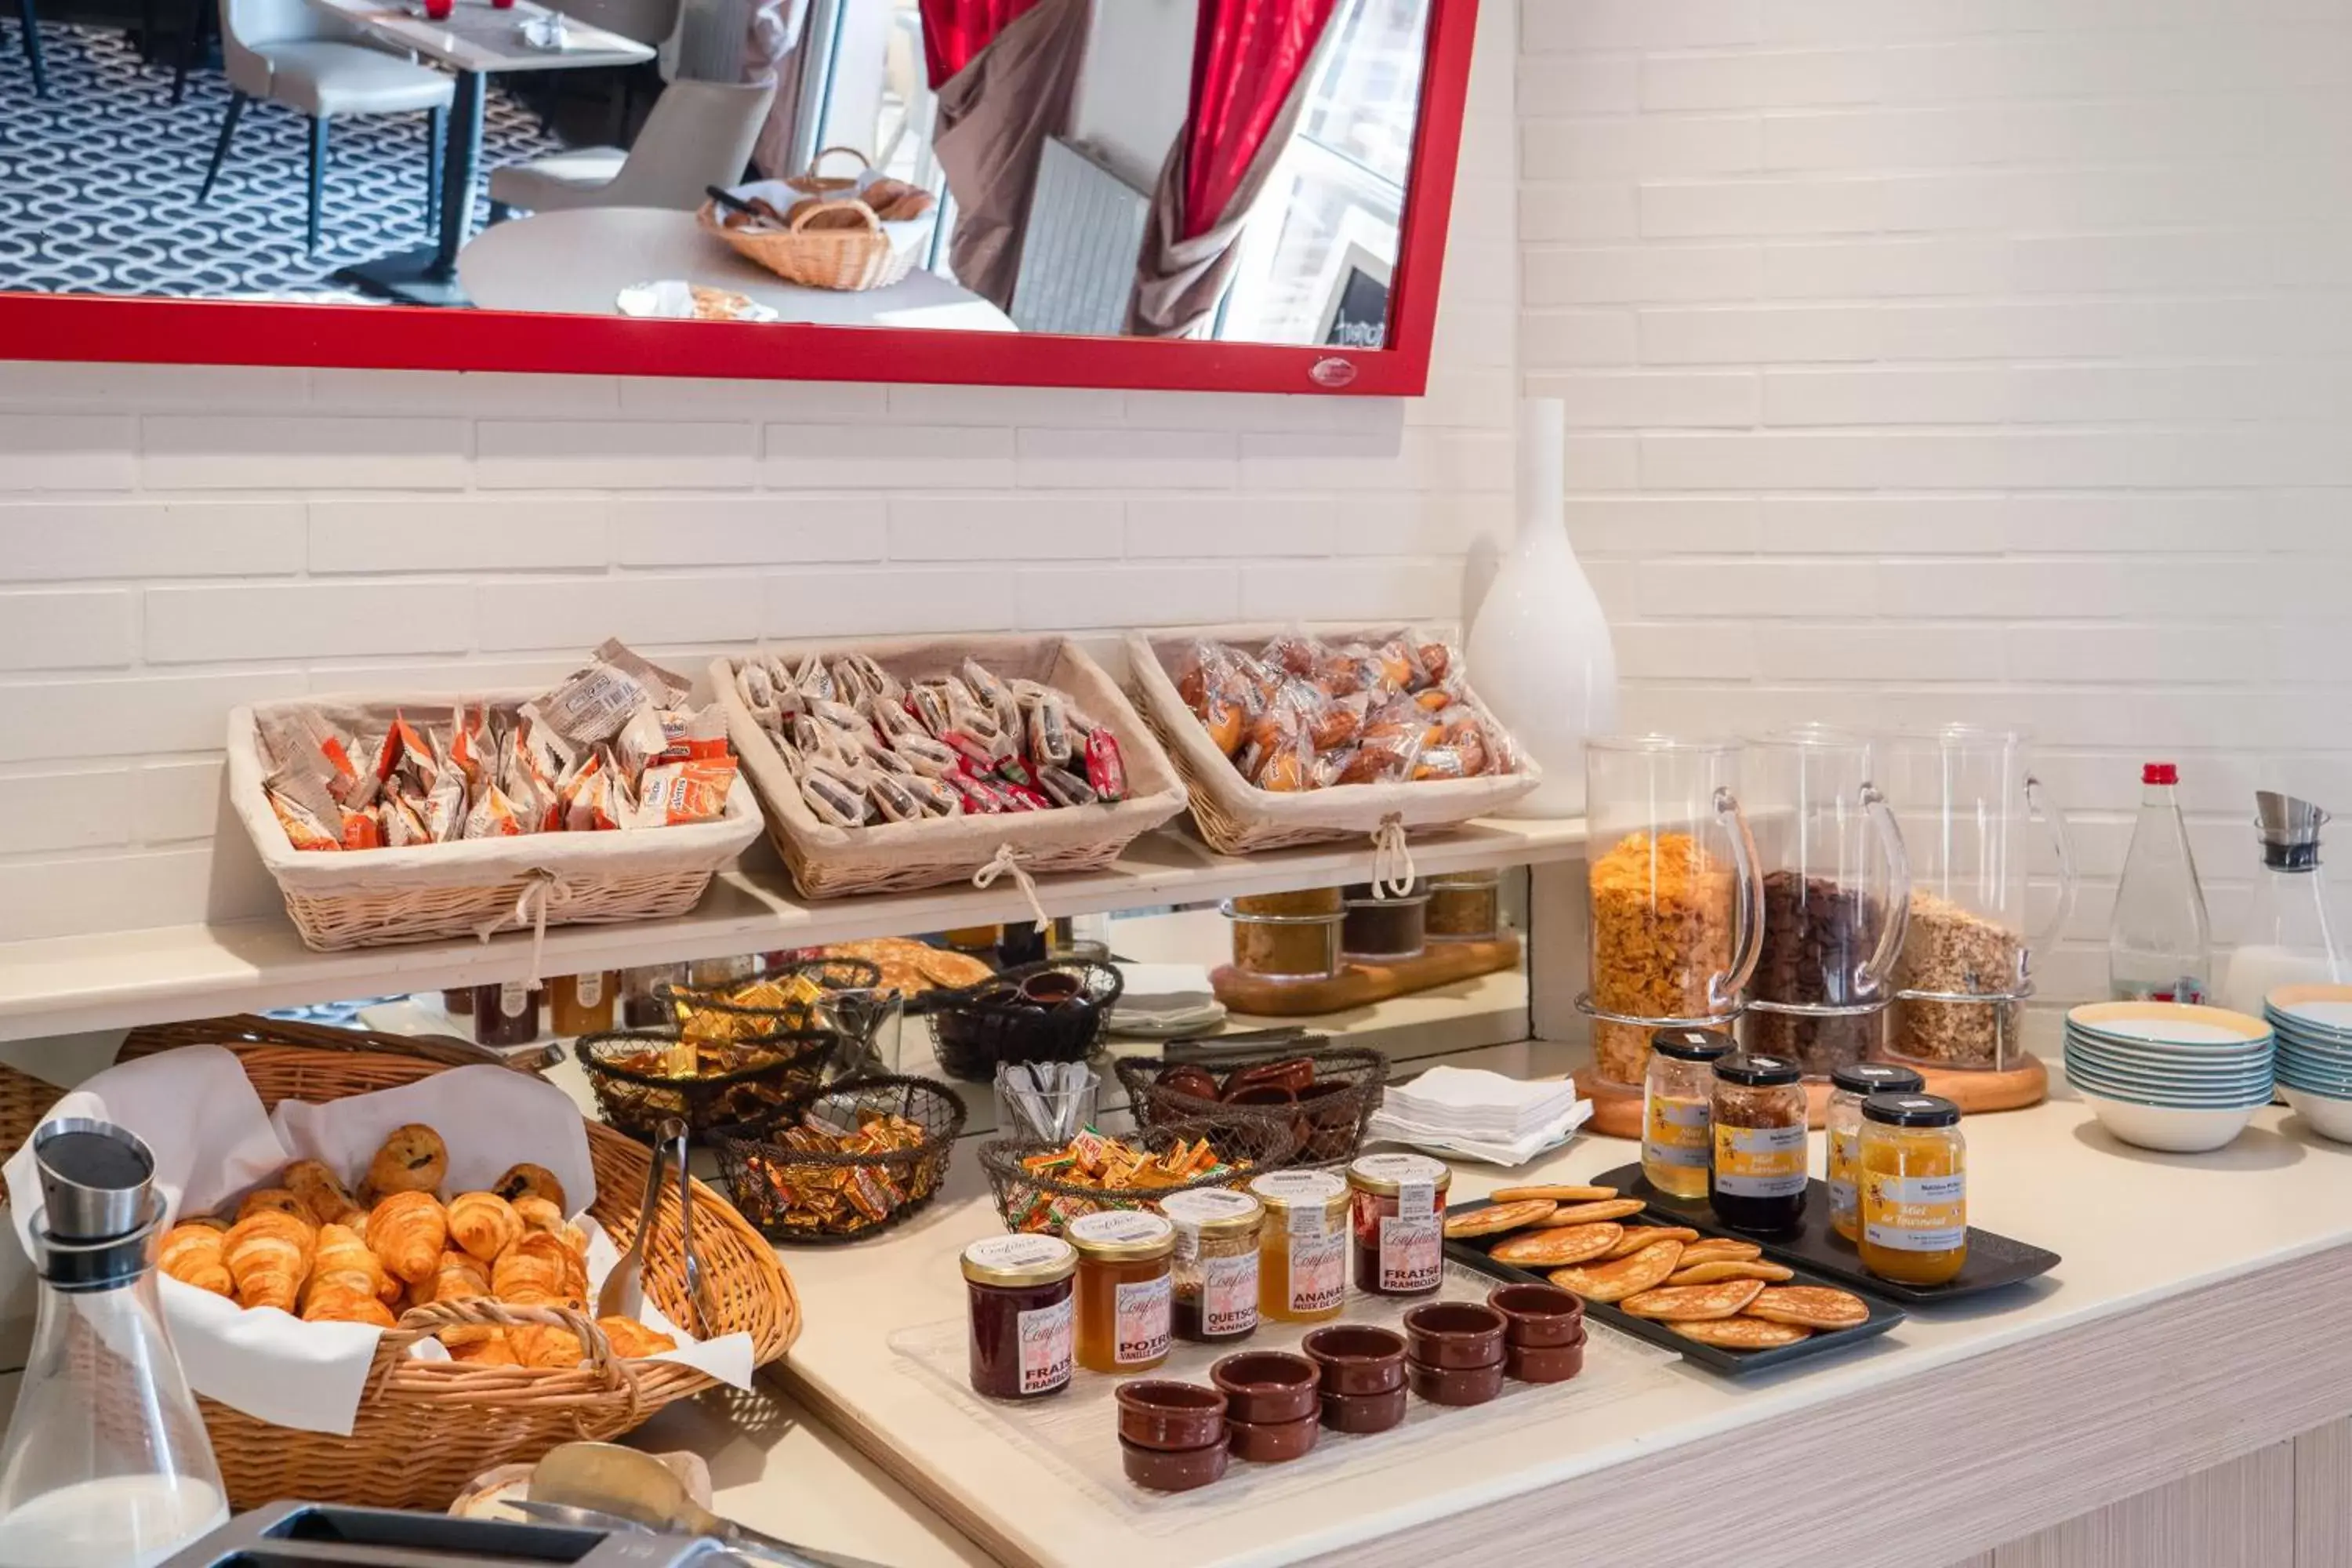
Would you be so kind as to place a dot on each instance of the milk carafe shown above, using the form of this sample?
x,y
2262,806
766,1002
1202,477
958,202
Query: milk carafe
x,y
2286,941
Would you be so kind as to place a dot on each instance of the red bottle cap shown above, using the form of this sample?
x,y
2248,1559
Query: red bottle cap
x,y
2159,774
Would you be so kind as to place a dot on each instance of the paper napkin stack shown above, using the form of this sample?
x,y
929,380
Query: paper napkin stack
x,y
1480,1115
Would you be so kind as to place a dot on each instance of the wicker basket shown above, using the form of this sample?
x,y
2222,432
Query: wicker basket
x,y
851,259
764,1172
426,1428
1026,1201
1237,817
1330,1129
828,862
428,892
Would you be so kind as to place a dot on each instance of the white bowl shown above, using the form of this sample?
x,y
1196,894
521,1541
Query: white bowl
x,y
2168,1129
2168,1023
2158,1086
2329,1117
2169,1066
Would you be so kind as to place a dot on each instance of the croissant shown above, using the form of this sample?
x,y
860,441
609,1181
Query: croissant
x,y
540,1263
269,1255
484,1224
279,1199
458,1277
192,1254
545,1346
329,1201
631,1339
491,1349
537,1213
344,1261
338,1304
408,1231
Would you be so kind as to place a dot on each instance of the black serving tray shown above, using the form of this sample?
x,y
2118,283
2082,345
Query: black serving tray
x,y
1994,1260
1884,1314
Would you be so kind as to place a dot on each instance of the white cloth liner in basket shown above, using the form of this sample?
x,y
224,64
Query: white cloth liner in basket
x,y
1237,817
213,1141
341,898
898,857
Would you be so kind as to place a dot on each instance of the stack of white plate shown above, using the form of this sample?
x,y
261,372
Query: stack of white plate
x,y
2164,1076
2315,1054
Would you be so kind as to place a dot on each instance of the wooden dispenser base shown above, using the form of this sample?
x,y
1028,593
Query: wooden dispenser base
x,y
1617,1106
1359,983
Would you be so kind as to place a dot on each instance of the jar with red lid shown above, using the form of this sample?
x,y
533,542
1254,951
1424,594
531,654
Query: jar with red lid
x,y
1023,1315
1399,1224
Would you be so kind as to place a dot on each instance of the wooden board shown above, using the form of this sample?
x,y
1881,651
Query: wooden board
x,y
1617,1106
1360,984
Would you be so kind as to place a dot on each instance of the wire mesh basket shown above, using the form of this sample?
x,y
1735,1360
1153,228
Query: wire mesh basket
x,y
793,1181
1032,1194
1326,1098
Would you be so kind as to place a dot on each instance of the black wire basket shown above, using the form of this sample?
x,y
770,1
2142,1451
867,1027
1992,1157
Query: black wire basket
x,y
733,1019
734,1080
821,1197
1328,1114
1003,1018
1035,1200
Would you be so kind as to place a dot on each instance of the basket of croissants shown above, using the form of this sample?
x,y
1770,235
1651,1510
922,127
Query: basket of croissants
x,y
826,231
498,1276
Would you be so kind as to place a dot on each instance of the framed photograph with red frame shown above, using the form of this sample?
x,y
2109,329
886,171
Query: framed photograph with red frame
x,y
206,332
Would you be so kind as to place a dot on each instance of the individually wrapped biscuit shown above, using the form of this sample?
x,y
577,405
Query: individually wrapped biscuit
x,y
935,759
892,798
758,687
833,800
305,829
493,817
1050,745
1106,766
930,702
672,793
1063,787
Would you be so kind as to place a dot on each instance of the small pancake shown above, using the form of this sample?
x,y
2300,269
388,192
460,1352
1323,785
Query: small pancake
x,y
1595,1213
1708,1273
1638,1237
1570,1194
1497,1218
1720,1250
1742,1333
1556,1247
1693,1303
1623,1277
1811,1306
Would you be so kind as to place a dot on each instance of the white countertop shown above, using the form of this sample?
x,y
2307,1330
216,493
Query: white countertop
x,y
2133,1228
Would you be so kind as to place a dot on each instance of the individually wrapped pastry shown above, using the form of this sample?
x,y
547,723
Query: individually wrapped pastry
x,y
892,798
300,740
1282,758
445,807
305,829
665,687
469,733
690,733
1337,720
1049,731
1294,653
872,678
591,704
406,755
938,798
936,759
759,687
975,755
640,742
1209,680
1106,766
1023,798
833,800
493,817
1440,763
675,792
813,680
980,798
1348,670
402,816
1063,787
1436,659
930,702
991,690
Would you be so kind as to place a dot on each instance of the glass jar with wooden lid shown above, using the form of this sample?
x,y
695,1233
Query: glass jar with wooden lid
x,y
1126,1293
1302,1261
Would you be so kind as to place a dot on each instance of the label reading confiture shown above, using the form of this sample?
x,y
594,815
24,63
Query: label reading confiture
x,y
589,988
1678,1132
1229,1295
1046,1346
1142,1326
1319,1271
1412,1243
1915,1213
1760,1162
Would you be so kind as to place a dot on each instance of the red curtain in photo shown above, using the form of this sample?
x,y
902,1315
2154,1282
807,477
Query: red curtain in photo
x,y
956,30
1248,57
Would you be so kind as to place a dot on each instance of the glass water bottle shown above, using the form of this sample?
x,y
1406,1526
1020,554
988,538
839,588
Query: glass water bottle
x,y
2287,940
2159,943
106,1460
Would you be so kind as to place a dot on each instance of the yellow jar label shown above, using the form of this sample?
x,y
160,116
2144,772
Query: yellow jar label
x,y
1915,1214
1678,1132
1845,1160
1760,1162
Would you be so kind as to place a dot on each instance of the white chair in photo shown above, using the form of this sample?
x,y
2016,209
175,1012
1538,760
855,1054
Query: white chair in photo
x,y
699,133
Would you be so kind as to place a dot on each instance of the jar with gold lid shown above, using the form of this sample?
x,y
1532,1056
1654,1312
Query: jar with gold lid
x,y
1915,1189
1125,1289
1302,1261
1021,1314
1398,1204
1216,1263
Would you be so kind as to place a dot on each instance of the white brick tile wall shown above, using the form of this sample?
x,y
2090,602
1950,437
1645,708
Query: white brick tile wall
x,y
75,809
288,621
2045,306
254,451
731,530
63,629
920,457
446,534
619,454
62,540
1004,528
561,613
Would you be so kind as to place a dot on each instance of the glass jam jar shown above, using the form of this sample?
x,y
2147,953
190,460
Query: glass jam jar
x,y
1020,1314
642,1004
1398,1202
1678,1109
583,1004
1915,1189
1216,1263
1756,1179
1125,1289
507,1014
1843,1121
1302,1258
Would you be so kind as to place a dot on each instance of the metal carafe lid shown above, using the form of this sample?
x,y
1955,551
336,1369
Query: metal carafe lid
x,y
2289,829
95,1179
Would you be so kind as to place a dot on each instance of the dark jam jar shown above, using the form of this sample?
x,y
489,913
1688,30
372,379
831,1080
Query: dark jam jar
x,y
1398,1203
1024,1318
507,1014
1756,1178
1216,1263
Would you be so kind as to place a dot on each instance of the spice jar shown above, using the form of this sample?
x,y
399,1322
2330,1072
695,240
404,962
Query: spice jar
x,y
583,1004
1216,1263
1842,1122
1302,1259
1124,1289
1384,929
642,1007
1915,1189
507,1014
1398,1223
1285,947
1021,1314
1678,1109
1464,906
1296,901
1757,1180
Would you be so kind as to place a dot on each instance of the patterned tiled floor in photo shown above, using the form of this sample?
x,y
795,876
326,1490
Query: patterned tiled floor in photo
x,y
97,180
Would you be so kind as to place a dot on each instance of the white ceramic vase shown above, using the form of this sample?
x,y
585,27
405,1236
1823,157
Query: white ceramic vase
x,y
1539,650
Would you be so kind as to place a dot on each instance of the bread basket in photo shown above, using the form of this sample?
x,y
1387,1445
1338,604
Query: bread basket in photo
x,y
828,238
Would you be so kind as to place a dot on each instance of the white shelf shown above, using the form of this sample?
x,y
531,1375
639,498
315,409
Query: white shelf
x,y
121,979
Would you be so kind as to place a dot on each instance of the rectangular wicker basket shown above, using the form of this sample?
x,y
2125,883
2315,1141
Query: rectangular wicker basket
x,y
375,898
1237,816
898,857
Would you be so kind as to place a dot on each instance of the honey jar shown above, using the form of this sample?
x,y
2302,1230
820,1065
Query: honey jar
x,y
1756,1179
1678,1109
1842,1125
1302,1260
583,1004
1125,1289
1915,1189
